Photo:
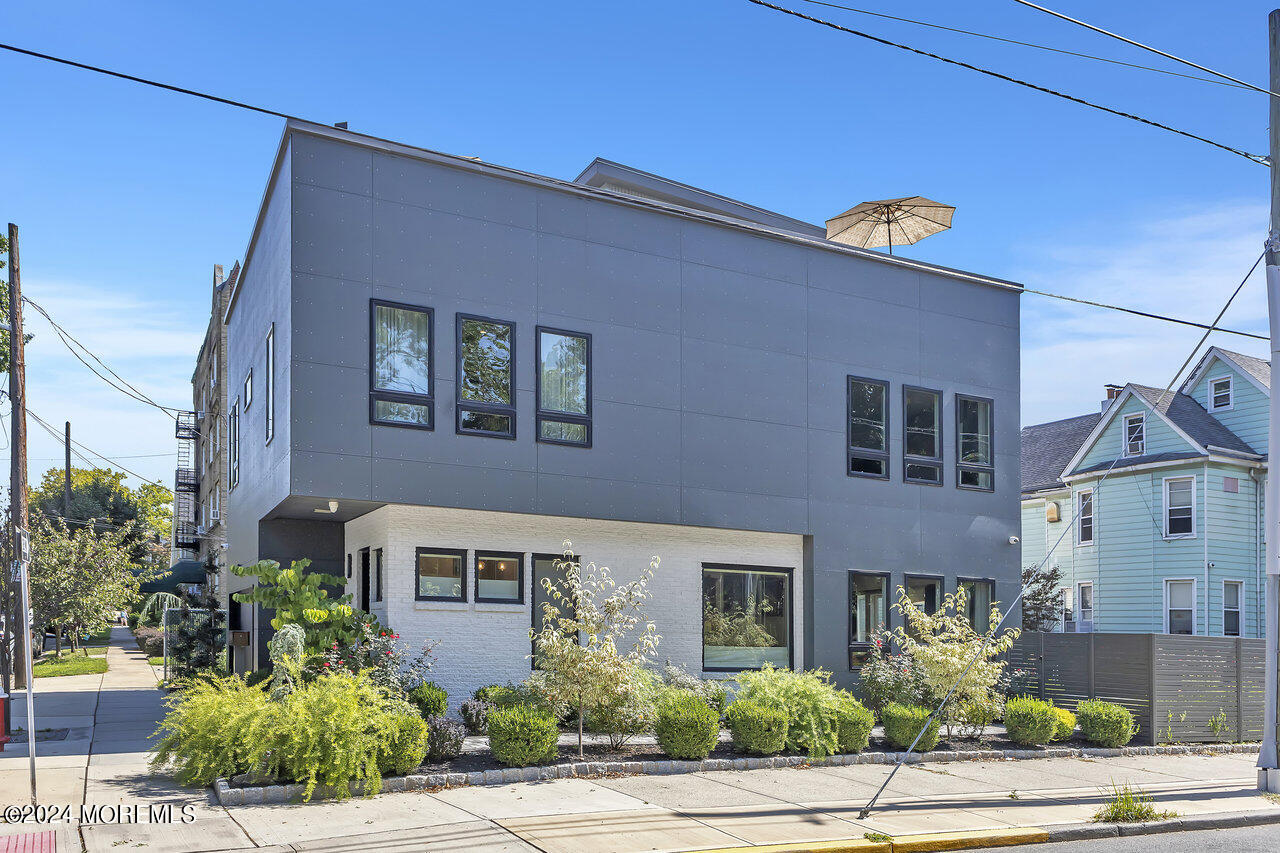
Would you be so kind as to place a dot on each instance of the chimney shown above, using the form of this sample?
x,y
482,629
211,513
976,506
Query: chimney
x,y
217,274
1113,391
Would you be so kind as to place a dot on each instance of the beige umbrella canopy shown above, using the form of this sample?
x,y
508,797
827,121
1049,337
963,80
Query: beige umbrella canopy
x,y
891,222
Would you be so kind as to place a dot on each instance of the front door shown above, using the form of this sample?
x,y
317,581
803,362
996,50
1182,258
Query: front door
x,y
364,579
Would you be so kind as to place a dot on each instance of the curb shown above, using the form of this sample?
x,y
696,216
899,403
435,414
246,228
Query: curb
x,y
236,796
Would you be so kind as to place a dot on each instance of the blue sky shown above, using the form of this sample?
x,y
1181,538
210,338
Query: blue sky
x,y
127,196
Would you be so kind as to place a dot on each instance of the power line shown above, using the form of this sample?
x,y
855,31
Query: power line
x,y
1148,314
146,82
61,440
1256,158
1139,44
1027,44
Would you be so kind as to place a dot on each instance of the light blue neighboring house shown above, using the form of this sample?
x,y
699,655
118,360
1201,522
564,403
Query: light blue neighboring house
x,y
1152,508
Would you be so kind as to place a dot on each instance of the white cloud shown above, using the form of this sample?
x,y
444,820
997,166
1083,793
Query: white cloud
x,y
1184,264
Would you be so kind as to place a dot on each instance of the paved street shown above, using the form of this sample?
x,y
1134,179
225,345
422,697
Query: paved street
x,y
104,762
1250,839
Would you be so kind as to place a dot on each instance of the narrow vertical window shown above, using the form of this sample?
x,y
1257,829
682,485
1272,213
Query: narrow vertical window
x,y
248,389
922,436
1068,610
1084,517
486,370
269,417
1135,435
1220,394
1084,597
978,599
233,439
564,387
400,365
377,574
1232,593
1180,607
868,611
975,468
1179,507
868,428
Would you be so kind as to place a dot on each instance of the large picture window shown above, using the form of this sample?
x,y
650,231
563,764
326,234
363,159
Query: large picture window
x,y
500,577
868,610
486,369
746,617
868,428
401,390
922,436
1179,507
440,573
975,466
564,387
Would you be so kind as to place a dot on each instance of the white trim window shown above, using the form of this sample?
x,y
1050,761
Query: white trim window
x,y
1135,434
1179,507
1084,517
1221,394
1232,595
269,417
1084,610
1180,606
1068,609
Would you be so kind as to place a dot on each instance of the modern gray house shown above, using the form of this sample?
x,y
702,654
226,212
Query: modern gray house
x,y
442,369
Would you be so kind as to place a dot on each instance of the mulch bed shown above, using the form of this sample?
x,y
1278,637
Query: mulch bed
x,y
472,762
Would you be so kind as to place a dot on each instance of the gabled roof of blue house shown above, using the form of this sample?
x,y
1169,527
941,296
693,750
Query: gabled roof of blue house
x,y
1047,448
1190,417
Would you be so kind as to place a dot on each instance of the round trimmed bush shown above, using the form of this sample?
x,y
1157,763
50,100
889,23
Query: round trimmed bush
x,y
522,735
756,729
1105,723
853,723
430,698
1030,722
1066,724
444,738
687,727
404,744
903,722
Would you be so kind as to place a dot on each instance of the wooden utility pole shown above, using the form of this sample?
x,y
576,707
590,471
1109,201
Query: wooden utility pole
x,y
1268,766
66,486
18,457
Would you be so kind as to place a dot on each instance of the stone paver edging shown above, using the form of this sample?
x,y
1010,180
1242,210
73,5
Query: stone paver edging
x,y
236,796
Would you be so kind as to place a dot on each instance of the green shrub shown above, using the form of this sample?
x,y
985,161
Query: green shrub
x,y
444,738
509,695
853,723
132,621
430,699
404,744
1105,723
903,722
256,677
1029,722
756,729
474,713
206,733
808,699
1065,726
521,735
687,728
715,692
150,640
630,709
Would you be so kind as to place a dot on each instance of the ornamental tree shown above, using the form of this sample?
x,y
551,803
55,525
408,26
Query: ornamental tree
x,y
299,597
594,636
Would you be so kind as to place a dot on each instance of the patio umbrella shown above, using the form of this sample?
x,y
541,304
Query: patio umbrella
x,y
893,221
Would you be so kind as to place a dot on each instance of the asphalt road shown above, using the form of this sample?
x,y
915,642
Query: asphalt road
x,y
1249,839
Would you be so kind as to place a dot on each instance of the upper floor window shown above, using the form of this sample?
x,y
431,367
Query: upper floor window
x,y
233,442
269,417
868,428
922,436
248,389
1220,393
1179,507
486,371
1084,517
400,369
975,468
564,387
1135,434
1232,592
213,369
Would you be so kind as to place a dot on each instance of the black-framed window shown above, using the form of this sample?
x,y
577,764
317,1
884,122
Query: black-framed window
x,y
868,610
377,574
486,392
564,387
746,617
925,591
499,577
440,574
975,465
921,436
867,428
979,593
233,440
401,366
552,567
269,381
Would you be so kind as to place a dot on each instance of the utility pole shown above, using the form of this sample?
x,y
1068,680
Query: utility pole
x,y
18,494
1268,765
66,486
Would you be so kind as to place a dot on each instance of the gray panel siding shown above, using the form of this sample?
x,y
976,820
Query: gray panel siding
x,y
719,365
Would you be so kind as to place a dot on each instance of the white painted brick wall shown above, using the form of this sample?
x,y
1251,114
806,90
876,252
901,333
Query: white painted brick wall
x,y
488,643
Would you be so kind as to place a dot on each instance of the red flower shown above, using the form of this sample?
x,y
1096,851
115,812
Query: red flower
x,y
388,654
326,663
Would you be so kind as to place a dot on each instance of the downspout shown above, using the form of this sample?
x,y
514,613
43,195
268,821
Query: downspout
x,y
1205,498
1257,551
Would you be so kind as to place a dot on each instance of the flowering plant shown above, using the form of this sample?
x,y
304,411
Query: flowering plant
x,y
380,651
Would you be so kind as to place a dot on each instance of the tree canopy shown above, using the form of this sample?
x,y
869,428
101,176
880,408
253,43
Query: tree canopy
x,y
100,495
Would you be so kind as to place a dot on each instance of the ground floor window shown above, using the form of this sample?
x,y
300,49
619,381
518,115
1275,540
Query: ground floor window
x,y
1084,613
499,576
746,617
439,574
1232,592
549,569
978,597
868,610
1180,607
924,593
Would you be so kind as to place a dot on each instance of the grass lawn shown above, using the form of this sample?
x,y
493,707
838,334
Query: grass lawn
x,y
70,665
100,637
156,661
